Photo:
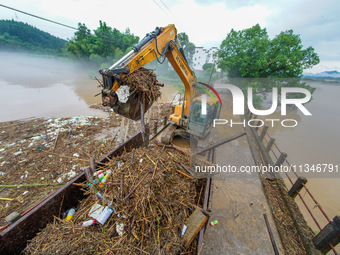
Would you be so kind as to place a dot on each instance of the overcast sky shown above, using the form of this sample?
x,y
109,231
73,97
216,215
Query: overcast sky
x,y
207,22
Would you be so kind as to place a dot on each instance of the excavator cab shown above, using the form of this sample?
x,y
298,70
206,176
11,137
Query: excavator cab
x,y
197,124
200,124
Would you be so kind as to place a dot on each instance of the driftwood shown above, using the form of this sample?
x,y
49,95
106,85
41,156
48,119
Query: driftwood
x,y
150,199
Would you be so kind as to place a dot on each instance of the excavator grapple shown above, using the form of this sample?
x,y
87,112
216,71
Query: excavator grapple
x,y
139,87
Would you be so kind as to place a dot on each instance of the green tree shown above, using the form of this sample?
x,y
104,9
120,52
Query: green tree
x,y
243,53
250,53
287,59
82,33
105,45
82,45
188,47
208,66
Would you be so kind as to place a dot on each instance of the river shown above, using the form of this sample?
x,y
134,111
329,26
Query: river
x,y
316,140
33,86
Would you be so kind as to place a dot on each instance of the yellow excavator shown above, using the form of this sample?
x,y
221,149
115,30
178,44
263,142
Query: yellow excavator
x,y
194,115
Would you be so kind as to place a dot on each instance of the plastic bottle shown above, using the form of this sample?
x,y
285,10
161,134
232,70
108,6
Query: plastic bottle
x,y
95,183
88,223
101,185
70,214
119,164
97,193
106,177
106,213
93,188
100,176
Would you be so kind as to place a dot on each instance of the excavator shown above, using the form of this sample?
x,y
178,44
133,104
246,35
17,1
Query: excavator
x,y
188,117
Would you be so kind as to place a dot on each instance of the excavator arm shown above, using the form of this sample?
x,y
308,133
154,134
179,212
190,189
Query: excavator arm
x,y
156,45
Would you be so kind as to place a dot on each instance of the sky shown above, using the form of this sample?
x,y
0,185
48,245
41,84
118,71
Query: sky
x,y
207,22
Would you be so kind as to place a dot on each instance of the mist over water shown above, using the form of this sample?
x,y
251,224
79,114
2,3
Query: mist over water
x,y
35,86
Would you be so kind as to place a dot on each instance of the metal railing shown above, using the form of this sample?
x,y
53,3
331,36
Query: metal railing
x,y
280,157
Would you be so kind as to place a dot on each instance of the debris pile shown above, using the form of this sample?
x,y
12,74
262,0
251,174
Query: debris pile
x,y
139,87
37,156
137,203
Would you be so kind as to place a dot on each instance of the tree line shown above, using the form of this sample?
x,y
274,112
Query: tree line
x,y
107,44
247,53
22,36
103,47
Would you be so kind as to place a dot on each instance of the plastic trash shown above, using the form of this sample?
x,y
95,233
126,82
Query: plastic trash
x,y
88,223
17,153
71,174
213,223
100,176
106,213
70,214
184,229
120,228
106,177
97,193
96,210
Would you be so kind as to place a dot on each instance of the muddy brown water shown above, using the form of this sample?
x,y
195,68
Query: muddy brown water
x,y
316,140
34,86
42,87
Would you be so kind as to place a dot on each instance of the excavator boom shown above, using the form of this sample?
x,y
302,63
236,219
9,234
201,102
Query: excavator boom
x,y
159,44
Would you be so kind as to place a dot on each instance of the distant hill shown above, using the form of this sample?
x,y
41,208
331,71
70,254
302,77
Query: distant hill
x,y
326,74
22,36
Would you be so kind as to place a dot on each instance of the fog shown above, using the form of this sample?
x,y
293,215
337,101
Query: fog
x,y
36,86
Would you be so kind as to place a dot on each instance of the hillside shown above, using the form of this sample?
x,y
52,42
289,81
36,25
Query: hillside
x,y
326,74
22,36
